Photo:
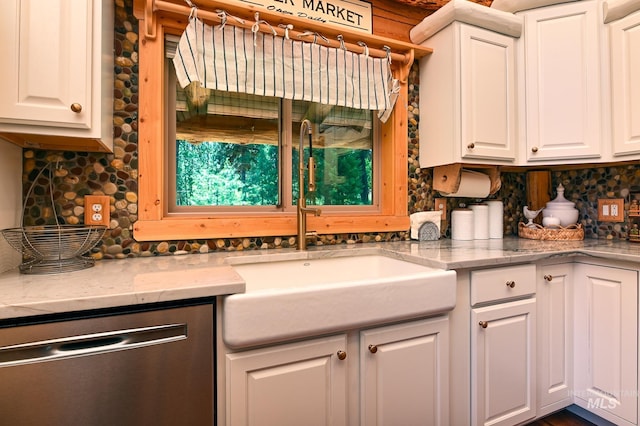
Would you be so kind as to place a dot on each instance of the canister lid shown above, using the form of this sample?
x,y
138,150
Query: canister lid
x,y
560,202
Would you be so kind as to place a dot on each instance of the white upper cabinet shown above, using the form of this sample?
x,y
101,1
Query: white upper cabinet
x,y
57,73
487,81
468,89
625,84
562,83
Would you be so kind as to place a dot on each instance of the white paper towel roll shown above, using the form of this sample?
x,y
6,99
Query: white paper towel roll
x,y
480,221
496,219
462,224
472,185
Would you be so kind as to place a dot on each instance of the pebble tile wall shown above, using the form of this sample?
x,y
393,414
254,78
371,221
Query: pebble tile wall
x,y
78,174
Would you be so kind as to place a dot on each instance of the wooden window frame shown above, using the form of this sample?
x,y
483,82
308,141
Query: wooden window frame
x,y
154,224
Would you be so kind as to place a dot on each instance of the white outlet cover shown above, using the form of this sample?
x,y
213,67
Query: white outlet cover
x,y
97,207
96,216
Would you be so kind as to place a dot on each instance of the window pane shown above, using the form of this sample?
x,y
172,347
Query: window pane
x,y
227,148
342,150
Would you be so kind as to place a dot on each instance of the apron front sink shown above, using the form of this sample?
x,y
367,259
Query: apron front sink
x,y
293,298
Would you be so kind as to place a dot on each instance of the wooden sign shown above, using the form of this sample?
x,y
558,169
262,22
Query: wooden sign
x,y
353,14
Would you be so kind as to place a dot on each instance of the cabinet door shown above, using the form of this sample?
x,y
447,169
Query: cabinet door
x,y
288,385
488,125
46,65
404,374
606,337
625,84
555,338
562,79
503,385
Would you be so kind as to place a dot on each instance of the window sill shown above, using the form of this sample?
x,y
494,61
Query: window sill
x,y
263,226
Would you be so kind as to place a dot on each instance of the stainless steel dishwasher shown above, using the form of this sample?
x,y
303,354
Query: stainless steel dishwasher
x,y
154,367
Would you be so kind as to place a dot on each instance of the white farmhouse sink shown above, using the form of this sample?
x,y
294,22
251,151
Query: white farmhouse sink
x,y
288,299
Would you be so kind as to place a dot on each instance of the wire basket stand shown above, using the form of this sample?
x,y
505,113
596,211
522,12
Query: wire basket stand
x,y
52,249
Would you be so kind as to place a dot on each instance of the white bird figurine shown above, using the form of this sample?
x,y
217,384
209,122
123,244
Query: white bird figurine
x,y
530,214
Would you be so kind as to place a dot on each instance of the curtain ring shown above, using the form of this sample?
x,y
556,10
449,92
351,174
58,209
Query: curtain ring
x,y
365,47
286,27
308,33
315,36
341,40
194,13
223,18
256,27
388,50
223,15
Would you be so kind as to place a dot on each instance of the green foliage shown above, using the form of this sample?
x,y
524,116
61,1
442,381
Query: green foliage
x,y
226,174
229,174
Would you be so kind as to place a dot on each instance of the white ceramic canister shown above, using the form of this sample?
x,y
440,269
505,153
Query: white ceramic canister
x,y
496,219
462,224
561,208
480,221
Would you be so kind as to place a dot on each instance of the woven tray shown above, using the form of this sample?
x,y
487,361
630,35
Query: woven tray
x,y
571,232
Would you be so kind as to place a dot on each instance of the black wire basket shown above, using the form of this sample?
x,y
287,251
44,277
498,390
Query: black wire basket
x,y
51,249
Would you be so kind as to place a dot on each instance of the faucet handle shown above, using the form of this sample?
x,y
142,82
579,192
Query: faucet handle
x,y
315,211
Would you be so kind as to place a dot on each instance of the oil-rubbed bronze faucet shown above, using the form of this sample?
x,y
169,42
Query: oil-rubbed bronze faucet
x,y
303,210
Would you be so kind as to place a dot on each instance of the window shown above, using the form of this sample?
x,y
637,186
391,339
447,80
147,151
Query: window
x,y
239,152
378,205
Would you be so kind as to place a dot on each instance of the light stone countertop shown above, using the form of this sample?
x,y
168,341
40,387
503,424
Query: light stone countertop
x,y
115,283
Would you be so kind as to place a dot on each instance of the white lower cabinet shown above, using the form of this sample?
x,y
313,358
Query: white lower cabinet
x,y
404,376
397,376
606,342
503,344
554,367
294,384
493,346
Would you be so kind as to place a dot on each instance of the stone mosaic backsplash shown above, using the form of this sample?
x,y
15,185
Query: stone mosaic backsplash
x,y
79,174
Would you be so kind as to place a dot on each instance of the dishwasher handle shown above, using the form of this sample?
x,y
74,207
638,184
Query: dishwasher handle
x,y
90,344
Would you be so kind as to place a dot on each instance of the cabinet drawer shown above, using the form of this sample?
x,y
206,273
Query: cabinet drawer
x,y
489,285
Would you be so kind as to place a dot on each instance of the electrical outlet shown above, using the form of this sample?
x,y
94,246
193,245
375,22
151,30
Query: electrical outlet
x,y
611,210
441,204
96,210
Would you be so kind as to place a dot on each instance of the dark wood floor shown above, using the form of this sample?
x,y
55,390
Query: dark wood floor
x,y
561,418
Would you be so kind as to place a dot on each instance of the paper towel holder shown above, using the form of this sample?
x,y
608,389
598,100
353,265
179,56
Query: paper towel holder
x,y
446,179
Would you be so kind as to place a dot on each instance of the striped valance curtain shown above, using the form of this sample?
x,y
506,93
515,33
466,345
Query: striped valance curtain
x,y
235,59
